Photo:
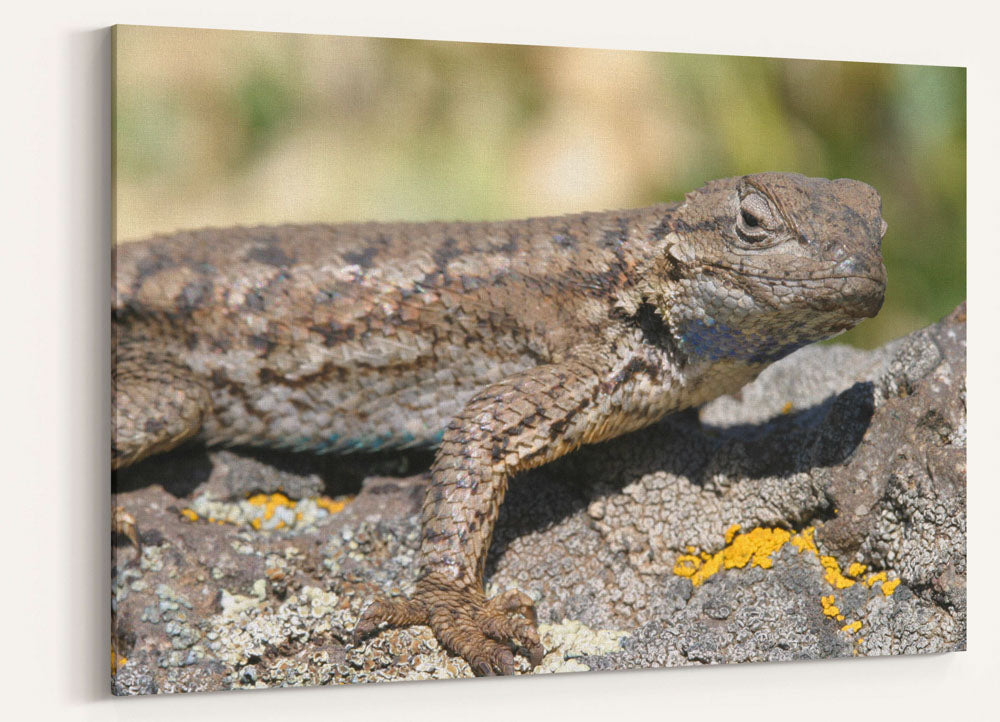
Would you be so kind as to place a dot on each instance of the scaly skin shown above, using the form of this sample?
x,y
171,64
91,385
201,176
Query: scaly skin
x,y
506,344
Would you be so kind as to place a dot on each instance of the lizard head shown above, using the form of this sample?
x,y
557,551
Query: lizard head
x,y
764,264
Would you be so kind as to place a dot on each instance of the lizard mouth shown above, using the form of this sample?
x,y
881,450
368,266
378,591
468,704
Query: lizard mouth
x,y
861,295
854,286
859,282
855,296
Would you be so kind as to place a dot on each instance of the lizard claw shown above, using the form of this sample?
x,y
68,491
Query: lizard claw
x,y
483,632
124,523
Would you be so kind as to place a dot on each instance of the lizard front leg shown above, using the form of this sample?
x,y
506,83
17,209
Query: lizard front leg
x,y
526,420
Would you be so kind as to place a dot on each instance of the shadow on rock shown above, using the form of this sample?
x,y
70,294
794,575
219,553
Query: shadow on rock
x,y
823,435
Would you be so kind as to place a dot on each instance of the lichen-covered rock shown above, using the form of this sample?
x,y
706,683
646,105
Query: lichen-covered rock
x,y
820,513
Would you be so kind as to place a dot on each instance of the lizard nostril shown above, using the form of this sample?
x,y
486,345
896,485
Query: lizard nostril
x,y
854,265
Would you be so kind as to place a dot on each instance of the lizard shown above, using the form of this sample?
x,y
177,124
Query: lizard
x,y
505,345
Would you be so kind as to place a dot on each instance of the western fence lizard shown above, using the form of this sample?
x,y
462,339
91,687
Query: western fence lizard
x,y
505,344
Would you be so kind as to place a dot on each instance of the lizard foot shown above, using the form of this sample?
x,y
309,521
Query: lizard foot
x,y
124,523
486,633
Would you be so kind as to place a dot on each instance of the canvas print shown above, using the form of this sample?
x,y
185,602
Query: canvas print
x,y
435,360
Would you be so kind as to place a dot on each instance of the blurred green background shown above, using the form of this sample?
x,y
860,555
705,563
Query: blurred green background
x,y
223,127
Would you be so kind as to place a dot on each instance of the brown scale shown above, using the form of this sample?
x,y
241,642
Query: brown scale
x,y
520,340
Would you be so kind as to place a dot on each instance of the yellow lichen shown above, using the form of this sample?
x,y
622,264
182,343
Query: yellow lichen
x,y
332,505
803,541
270,502
787,408
833,574
876,578
708,569
889,587
117,661
754,548
829,608
686,565
856,569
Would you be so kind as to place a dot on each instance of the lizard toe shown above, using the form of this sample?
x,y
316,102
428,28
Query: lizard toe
x,y
395,612
462,632
514,601
481,631
485,633
519,632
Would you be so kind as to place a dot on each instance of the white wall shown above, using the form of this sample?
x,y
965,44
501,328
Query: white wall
x,y
53,408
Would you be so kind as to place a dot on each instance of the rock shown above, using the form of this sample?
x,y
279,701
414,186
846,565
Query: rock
x,y
819,513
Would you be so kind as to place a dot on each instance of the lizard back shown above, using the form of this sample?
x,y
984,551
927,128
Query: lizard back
x,y
366,336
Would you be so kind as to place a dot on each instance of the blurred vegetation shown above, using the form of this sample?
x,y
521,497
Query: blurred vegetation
x,y
223,128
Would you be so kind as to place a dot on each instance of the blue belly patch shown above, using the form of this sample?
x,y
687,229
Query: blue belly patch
x,y
336,443
717,342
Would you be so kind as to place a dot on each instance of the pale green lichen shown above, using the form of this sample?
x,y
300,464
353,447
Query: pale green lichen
x,y
569,640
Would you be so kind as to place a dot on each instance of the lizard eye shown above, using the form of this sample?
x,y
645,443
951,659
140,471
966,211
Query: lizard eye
x,y
756,221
